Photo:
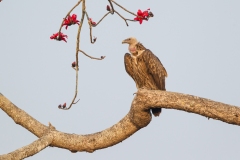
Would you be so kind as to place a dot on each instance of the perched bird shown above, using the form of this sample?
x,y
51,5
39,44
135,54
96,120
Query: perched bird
x,y
145,68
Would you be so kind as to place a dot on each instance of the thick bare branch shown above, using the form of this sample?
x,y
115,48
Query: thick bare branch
x,y
193,104
138,117
22,118
30,149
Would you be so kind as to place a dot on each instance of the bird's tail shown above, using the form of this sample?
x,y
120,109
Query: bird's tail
x,y
156,111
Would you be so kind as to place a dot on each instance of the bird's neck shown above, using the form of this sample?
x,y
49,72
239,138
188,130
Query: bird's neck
x,y
132,49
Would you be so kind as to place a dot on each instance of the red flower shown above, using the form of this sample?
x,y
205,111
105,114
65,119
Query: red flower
x,y
59,37
142,15
70,20
92,22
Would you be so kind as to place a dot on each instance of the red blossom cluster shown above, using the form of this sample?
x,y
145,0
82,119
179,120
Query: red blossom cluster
x,y
70,20
59,37
143,15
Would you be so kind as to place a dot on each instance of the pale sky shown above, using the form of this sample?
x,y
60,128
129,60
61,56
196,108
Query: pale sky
x,y
198,43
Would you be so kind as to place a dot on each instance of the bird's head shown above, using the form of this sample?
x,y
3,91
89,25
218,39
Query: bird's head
x,y
130,41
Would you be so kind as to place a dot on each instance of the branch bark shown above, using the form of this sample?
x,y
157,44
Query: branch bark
x,y
30,149
138,117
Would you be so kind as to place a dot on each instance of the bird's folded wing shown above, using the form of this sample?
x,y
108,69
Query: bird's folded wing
x,y
128,65
155,68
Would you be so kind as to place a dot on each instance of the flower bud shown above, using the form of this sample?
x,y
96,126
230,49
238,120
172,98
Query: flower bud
x,y
59,106
94,39
64,105
74,64
108,8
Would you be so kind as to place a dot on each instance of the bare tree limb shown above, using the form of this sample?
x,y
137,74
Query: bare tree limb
x,y
193,104
30,149
22,118
138,117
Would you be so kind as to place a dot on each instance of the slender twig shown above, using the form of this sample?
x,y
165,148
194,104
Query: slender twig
x,y
102,18
124,18
69,14
76,101
101,58
90,26
91,40
123,8
112,9
77,49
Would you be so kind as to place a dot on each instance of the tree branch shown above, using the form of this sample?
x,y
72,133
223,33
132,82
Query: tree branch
x,y
138,117
30,149
193,104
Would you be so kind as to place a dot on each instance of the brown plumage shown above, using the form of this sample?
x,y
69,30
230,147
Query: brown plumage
x,y
145,68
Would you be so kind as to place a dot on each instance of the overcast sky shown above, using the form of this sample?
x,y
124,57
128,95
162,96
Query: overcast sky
x,y
198,42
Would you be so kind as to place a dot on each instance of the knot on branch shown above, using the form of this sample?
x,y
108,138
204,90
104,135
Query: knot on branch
x,y
140,114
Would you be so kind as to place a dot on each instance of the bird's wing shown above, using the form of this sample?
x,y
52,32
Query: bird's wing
x,y
128,64
155,68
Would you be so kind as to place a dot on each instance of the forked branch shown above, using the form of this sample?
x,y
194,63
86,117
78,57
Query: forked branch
x,y
138,117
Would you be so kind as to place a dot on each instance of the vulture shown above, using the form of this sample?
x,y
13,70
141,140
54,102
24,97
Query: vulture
x,y
145,68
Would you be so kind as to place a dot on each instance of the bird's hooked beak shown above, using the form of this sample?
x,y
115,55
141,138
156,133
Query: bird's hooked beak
x,y
125,41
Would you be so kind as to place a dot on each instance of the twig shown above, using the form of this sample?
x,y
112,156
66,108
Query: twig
x,y
101,58
112,9
76,101
77,49
123,8
69,14
102,18
124,18
90,28
90,25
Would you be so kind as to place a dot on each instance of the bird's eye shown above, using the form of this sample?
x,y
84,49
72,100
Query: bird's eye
x,y
128,38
